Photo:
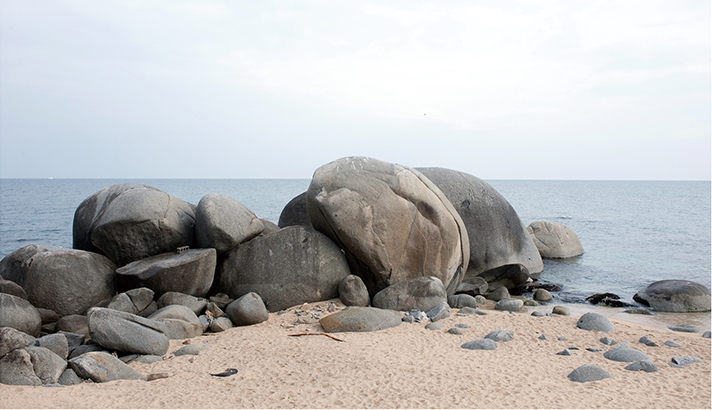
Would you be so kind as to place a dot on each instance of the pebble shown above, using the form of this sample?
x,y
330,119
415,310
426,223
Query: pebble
x,y
670,343
644,365
156,376
563,339
542,337
565,352
462,326
561,310
684,361
707,334
608,341
647,341
435,326
595,350
573,348
456,331
538,314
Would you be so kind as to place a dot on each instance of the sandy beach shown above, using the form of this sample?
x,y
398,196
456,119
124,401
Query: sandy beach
x,y
403,367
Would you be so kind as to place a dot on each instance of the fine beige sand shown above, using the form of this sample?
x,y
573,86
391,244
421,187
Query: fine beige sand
x,y
403,367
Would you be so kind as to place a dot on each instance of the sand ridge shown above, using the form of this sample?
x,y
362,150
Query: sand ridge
x,y
403,367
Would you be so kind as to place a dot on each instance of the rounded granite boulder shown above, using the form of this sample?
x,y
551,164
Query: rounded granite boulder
x,y
588,373
19,314
393,223
675,295
223,223
595,321
555,240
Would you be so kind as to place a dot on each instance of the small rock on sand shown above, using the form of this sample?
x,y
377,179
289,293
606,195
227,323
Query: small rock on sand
x,y
588,373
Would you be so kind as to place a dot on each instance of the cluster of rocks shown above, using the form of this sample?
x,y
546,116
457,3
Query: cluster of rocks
x,y
147,267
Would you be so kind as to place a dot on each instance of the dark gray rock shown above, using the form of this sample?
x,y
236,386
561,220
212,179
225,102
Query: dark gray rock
x,y
102,367
509,305
223,223
529,302
562,339
542,295
135,223
607,299
290,267
625,354
482,344
18,313
670,343
462,300
497,236
473,286
501,335
393,223
608,341
684,361
644,365
542,337
471,311
85,349
67,281
707,334
48,315
595,321
125,332
248,309
46,364
637,312
498,294
197,305
214,310
675,296
463,326
12,288
360,319
647,341
221,300
435,326
594,350
353,292
56,342
190,272
555,240
439,312
11,339
456,331
295,212
192,349
221,324
73,324
422,293
538,314
565,352
180,322
684,328
69,378
588,373
16,369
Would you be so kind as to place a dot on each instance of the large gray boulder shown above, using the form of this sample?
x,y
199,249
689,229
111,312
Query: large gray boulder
x,y
11,339
102,367
125,332
16,369
422,293
46,364
179,321
190,272
393,223
133,301
554,240
360,319
19,314
55,342
498,239
295,212
248,309
67,281
290,267
223,223
128,222
595,321
675,295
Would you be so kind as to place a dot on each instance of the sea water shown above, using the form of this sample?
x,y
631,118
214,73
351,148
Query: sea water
x,y
633,232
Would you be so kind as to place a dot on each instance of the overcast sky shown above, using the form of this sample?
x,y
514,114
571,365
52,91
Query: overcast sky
x,y
274,89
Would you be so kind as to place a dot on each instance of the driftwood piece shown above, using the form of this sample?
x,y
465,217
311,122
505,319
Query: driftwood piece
x,y
318,334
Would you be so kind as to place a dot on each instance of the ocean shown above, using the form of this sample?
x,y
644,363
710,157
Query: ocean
x,y
633,232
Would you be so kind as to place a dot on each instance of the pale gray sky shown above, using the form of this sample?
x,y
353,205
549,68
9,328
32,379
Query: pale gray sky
x,y
274,89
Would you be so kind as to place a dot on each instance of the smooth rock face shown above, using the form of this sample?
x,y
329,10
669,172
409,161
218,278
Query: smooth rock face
x,y
561,310
223,223
16,369
125,332
295,212
684,361
179,321
56,342
625,354
129,222
290,267
190,272
683,328
19,314
595,321
461,301
588,373
247,310
393,223
482,344
422,293
542,295
644,365
502,335
473,286
353,292
67,281
439,312
497,236
197,305
12,288
675,296
47,365
102,367
192,349
554,240
360,319
511,305
498,294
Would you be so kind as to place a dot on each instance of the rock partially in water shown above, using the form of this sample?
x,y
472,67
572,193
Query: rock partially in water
x,y
675,296
684,328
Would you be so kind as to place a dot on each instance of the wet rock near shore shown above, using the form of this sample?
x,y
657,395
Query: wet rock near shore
x,y
675,295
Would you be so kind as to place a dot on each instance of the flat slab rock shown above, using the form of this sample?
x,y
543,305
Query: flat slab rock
x,y
102,367
360,319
